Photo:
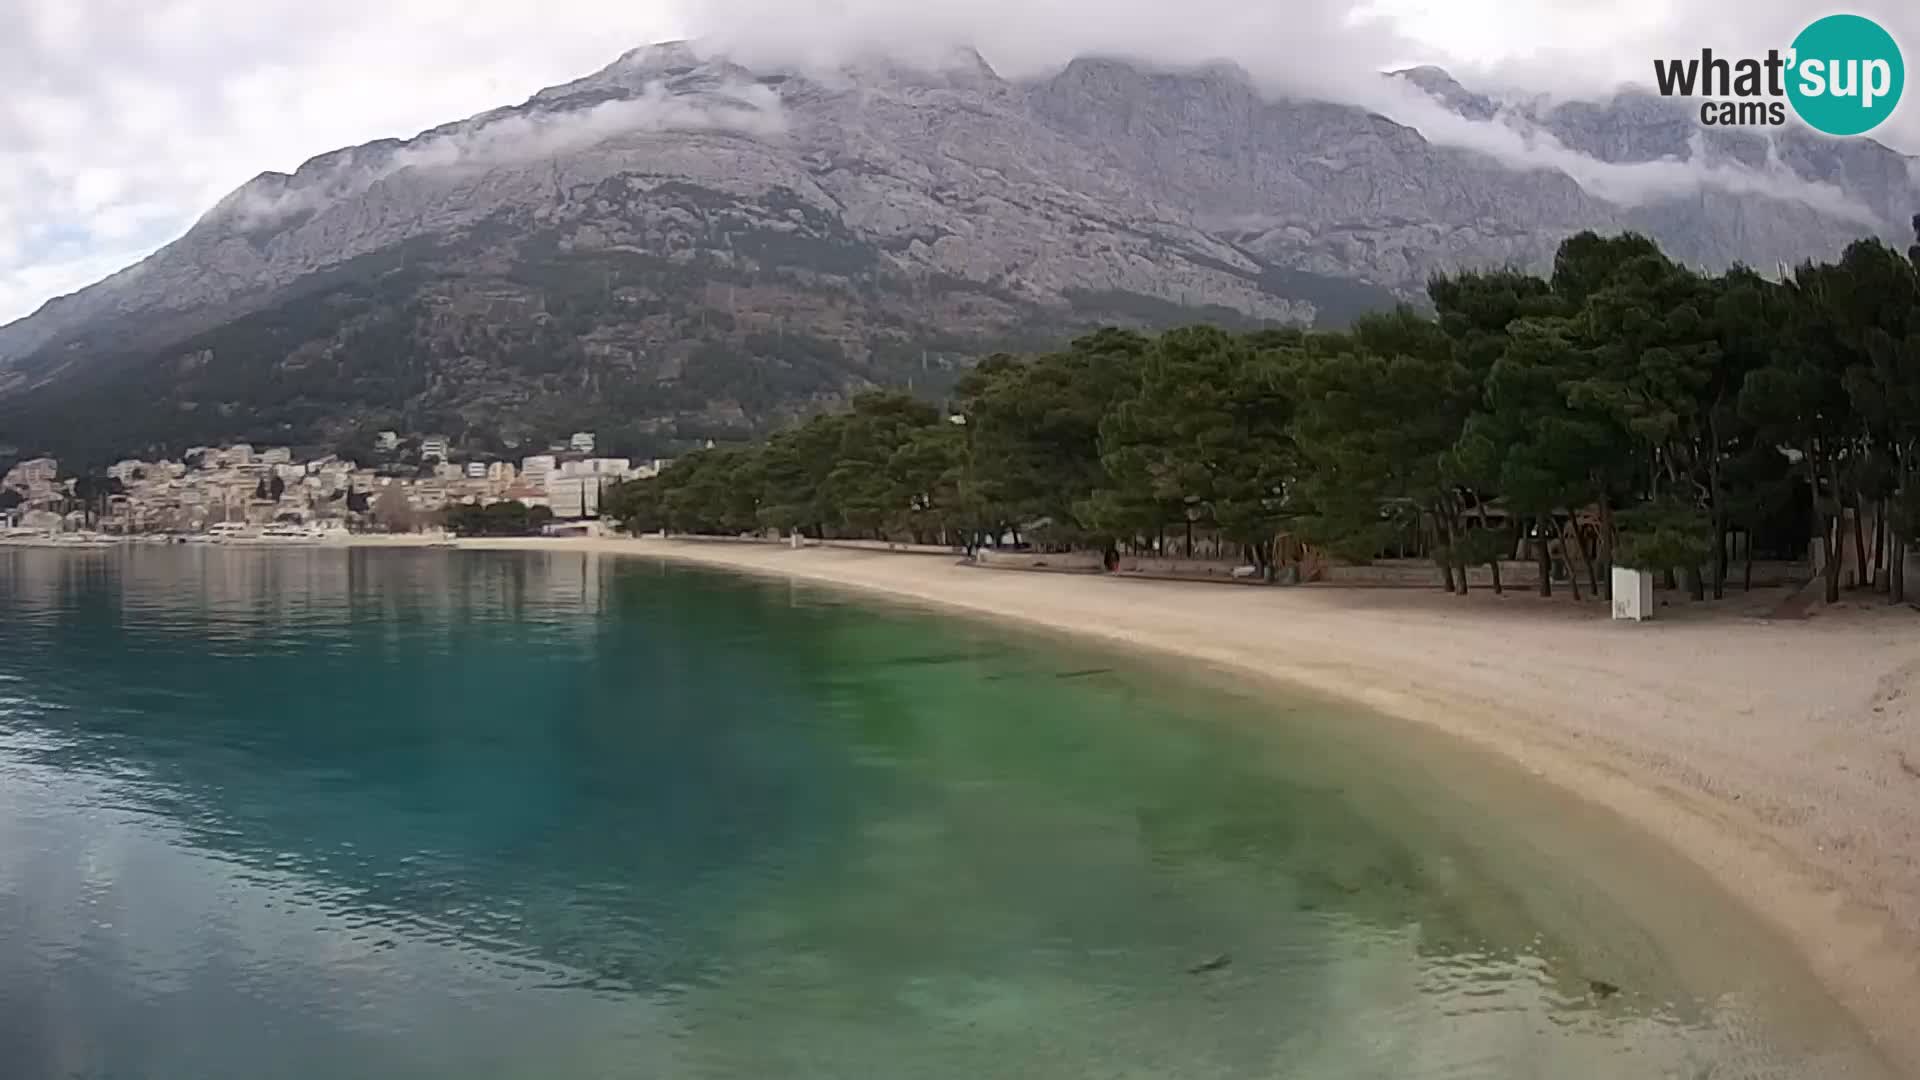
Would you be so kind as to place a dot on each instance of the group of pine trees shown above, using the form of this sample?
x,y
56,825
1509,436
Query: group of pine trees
x,y
1661,408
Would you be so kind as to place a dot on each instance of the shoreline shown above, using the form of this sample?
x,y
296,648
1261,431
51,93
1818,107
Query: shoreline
x,y
1783,758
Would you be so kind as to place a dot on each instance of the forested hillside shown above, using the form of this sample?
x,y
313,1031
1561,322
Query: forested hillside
x,y
1630,408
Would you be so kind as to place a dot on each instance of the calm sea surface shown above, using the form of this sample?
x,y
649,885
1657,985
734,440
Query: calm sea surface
x,y
430,814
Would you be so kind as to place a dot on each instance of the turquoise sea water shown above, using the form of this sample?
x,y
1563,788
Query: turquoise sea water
x,y
432,814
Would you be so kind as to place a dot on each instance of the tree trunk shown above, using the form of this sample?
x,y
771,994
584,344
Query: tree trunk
x,y
1667,581
1860,544
1897,535
1881,567
1696,585
1834,530
1897,573
1832,541
1719,555
1747,584
1605,544
1570,543
1459,543
1719,504
1454,556
1544,556
1433,545
1494,565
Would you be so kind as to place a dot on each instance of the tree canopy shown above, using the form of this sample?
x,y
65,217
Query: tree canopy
x,y
1624,408
509,518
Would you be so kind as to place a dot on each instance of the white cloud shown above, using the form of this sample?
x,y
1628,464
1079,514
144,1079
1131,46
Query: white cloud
x,y
1336,50
125,120
743,107
1518,144
182,101
1581,48
1302,45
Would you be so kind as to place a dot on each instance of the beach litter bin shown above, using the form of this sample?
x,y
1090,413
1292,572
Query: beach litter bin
x,y
1632,594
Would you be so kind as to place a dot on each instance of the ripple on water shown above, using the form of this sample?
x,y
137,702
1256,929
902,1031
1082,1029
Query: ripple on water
x,y
327,813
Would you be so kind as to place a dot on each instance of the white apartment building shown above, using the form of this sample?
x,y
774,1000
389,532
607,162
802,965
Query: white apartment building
x,y
582,442
277,455
537,468
574,496
387,440
428,495
434,446
476,470
40,472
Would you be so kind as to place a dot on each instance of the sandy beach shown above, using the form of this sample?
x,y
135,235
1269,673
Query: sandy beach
x,y
1782,756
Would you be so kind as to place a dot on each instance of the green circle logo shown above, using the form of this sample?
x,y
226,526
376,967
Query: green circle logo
x,y
1846,75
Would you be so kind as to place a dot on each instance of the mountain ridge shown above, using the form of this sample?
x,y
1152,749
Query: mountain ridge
x,y
883,223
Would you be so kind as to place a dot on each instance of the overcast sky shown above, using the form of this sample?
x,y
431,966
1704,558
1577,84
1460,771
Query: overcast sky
x,y
123,120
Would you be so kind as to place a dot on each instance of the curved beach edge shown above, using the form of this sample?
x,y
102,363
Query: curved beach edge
x,y
1782,757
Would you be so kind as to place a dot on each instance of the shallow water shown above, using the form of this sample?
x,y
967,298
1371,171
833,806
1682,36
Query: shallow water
x,y
415,814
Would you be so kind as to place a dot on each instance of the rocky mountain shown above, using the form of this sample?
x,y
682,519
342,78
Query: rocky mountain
x,y
678,247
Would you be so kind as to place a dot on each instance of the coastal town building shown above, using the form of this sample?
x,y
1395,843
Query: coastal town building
x,y
527,493
536,468
582,442
29,476
242,487
574,496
